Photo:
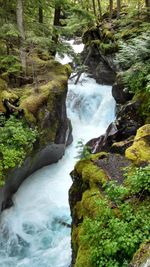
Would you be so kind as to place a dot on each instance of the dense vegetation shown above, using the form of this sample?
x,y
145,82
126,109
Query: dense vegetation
x,y
114,239
16,142
29,28
31,34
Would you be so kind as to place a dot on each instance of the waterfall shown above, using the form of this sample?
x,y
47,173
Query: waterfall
x,y
34,232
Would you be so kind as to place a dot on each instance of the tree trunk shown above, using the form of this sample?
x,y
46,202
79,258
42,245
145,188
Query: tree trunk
x,y
147,3
40,12
110,8
118,8
57,16
94,7
55,24
20,25
99,8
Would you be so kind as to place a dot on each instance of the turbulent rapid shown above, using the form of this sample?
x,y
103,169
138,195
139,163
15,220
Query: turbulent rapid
x,y
35,232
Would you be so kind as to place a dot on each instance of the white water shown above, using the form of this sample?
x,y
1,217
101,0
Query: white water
x,y
30,233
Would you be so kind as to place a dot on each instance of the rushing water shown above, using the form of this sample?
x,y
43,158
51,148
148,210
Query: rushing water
x,y
31,232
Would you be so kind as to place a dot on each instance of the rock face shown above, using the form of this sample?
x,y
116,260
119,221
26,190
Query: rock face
x,y
90,178
119,134
45,109
101,46
99,68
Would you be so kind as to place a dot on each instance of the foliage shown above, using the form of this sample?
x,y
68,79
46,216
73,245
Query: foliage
x,y
9,64
134,51
78,14
116,192
136,78
139,180
84,151
115,234
16,140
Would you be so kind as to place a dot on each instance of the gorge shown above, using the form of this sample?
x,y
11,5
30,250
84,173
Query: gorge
x,y
32,231
75,133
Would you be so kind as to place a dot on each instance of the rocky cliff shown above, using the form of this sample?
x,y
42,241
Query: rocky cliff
x,y
41,107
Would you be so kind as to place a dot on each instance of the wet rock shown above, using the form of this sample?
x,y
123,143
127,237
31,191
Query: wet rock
x,y
100,69
114,166
121,94
125,126
120,147
104,142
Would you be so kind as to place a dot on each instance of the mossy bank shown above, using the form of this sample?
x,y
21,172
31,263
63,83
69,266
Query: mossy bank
x,y
110,195
34,125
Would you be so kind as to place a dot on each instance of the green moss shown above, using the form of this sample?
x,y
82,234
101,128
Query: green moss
x,y
83,257
79,249
75,237
89,203
94,175
109,48
107,34
98,155
140,150
80,165
3,85
130,33
141,255
6,94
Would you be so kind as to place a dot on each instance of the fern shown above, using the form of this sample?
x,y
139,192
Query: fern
x,y
136,50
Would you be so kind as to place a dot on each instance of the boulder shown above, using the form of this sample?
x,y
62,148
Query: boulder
x,y
139,152
126,124
120,93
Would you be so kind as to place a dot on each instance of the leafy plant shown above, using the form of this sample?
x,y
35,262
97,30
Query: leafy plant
x,y
133,51
136,78
84,151
116,192
139,181
114,235
16,140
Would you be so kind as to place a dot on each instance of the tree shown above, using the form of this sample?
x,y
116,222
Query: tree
x,y
40,12
94,7
147,4
118,8
20,24
111,8
99,8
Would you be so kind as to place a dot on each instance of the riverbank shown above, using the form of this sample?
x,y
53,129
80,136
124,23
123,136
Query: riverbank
x,y
34,126
110,192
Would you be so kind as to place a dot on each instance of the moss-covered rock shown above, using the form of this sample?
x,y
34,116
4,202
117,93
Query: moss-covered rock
x,y
142,256
43,107
139,152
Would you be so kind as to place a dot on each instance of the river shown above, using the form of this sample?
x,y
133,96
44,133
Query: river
x,y
31,232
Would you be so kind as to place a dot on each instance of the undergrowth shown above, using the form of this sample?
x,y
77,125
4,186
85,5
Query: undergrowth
x,y
16,140
123,222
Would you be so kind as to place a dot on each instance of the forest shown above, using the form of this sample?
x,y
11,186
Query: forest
x,y
110,195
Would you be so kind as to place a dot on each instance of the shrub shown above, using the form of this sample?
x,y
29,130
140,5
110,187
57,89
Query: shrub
x,y
16,140
116,233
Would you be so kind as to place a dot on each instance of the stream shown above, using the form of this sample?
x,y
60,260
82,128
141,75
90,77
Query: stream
x,y
31,232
